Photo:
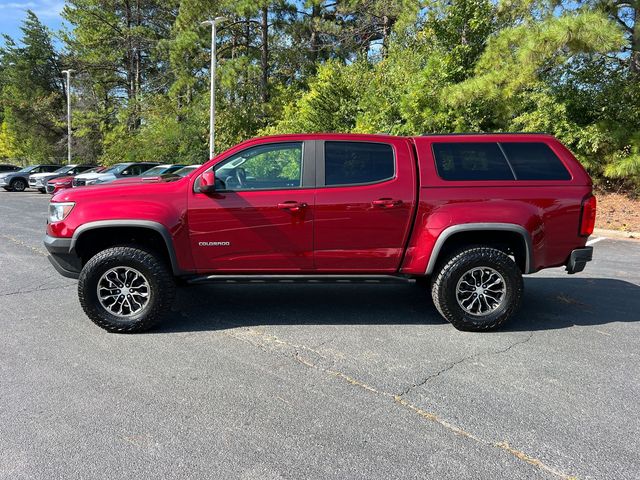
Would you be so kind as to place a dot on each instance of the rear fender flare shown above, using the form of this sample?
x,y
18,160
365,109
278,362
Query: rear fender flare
x,y
475,227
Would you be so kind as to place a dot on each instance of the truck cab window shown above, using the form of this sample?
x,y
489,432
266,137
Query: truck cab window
x,y
266,167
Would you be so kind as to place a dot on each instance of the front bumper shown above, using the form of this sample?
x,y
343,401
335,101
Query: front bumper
x,y
65,261
578,259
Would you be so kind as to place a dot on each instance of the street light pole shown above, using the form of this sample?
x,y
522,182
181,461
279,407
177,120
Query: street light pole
x,y
68,72
212,107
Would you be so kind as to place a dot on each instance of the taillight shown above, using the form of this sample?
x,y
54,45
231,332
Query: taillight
x,y
588,216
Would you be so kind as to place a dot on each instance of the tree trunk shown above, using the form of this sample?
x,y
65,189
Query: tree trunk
x,y
264,56
385,34
314,42
138,68
247,44
634,61
131,68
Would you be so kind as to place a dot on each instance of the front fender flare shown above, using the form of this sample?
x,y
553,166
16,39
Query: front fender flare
x,y
149,224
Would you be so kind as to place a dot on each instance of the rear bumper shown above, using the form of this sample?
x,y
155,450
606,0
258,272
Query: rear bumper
x,y
578,259
67,263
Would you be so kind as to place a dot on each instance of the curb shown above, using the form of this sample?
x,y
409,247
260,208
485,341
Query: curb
x,y
616,234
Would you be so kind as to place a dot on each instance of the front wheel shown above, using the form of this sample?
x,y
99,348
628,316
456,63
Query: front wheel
x,y
18,185
125,289
478,289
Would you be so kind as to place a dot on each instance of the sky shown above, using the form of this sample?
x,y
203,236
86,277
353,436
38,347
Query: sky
x,y
14,11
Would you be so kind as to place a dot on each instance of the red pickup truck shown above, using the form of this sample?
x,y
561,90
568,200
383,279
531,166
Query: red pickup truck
x,y
464,215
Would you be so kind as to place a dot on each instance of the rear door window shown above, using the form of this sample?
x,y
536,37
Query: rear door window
x,y
534,161
471,161
358,163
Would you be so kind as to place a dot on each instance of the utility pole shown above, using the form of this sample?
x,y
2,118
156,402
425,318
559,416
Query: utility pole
x,y
212,108
68,73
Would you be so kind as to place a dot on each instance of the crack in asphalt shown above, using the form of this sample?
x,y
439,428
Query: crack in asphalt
x,y
37,289
247,333
451,366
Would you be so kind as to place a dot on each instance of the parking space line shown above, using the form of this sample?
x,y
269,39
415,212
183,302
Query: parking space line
x,y
595,240
24,244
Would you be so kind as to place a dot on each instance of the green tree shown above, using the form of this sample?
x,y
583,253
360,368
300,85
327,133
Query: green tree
x,y
32,94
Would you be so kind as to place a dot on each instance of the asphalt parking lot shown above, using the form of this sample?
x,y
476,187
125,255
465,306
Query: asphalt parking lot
x,y
317,381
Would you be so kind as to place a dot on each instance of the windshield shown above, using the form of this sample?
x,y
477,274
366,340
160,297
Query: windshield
x,y
159,170
64,169
117,168
183,172
93,170
27,169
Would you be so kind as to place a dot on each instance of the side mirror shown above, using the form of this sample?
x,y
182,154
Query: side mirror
x,y
207,182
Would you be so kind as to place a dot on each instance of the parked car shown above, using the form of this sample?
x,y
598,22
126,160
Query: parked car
x,y
119,170
183,172
5,167
39,180
152,173
470,213
162,170
19,181
60,183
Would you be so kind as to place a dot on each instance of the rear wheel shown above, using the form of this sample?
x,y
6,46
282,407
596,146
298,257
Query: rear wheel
x,y
125,289
478,289
18,185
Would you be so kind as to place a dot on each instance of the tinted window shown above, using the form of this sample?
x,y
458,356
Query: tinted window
x,y
535,161
271,166
133,170
349,163
471,161
136,170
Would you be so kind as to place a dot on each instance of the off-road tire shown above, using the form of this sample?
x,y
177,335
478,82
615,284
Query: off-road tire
x,y
18,185
445,281
162,289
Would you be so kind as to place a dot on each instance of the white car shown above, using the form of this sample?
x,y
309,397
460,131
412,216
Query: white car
x,y
119,170
39,180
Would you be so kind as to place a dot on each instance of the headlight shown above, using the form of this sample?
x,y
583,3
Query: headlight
x,y
59,211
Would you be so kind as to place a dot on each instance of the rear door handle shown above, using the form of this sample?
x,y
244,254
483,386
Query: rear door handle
x,y
292,206
386,203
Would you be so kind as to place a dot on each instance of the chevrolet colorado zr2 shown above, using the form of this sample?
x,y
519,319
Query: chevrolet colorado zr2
x,y
464,215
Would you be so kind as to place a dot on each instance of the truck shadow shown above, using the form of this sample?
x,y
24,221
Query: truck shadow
x,y
549,303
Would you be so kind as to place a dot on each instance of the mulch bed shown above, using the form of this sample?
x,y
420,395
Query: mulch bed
x,y
618,212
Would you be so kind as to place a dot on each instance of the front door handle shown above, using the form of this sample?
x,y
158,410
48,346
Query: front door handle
x,y
386,203
292,206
